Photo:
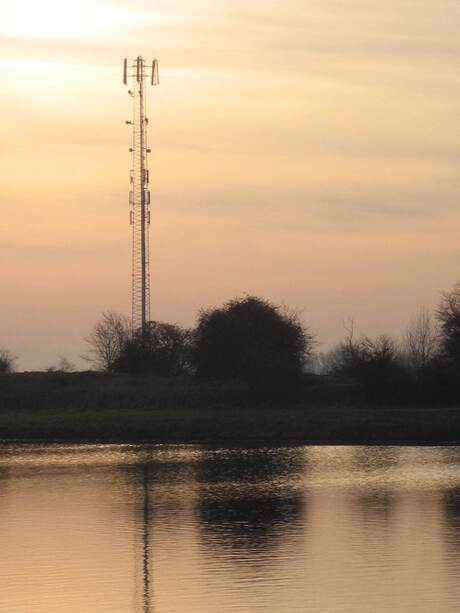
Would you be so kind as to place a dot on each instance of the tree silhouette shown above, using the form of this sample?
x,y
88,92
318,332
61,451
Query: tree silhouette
x,y
376,364
107,339
448,315
421,341
253,340
163,349
7,359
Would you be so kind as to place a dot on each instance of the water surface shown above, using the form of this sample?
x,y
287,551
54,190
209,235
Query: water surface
x,y
108,528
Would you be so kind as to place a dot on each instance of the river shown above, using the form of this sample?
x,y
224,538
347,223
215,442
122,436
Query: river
x,y
108,528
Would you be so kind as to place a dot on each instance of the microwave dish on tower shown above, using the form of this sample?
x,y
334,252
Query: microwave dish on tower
x,y
137,74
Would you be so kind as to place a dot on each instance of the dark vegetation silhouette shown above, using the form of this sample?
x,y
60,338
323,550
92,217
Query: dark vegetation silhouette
x,y
164,350
441,375
262,352
376,364
252,340
7,360
247,339
267,348
107,340
423,367
448,314
421,342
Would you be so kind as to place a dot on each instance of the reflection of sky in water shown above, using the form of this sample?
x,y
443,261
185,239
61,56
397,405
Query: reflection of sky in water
x,y
171,528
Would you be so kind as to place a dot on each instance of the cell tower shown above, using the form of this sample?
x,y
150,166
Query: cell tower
x,y
139,196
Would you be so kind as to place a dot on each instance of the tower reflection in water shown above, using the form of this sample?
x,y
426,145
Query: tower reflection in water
x,y
210,502
188,529
146,540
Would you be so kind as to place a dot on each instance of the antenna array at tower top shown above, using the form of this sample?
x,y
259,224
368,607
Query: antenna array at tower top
x,y
137,70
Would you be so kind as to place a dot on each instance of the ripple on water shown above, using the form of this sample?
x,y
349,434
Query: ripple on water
x,y
106,528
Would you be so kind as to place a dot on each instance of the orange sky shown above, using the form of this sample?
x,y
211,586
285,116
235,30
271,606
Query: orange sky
x,y
306,151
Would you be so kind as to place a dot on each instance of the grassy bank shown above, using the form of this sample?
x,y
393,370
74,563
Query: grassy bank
x,y
100,407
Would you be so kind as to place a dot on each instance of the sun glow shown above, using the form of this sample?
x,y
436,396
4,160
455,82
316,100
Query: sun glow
x,y
61,20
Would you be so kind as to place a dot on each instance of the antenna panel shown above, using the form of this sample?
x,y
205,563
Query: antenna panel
x,y
155,73
125,71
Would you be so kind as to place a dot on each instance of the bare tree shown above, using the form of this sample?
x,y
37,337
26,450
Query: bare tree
x,y
345,353
7,359
63,365
362,357
448,316
107,339
421,340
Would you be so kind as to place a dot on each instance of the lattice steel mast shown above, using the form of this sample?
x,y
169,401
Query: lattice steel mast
x,y
139,196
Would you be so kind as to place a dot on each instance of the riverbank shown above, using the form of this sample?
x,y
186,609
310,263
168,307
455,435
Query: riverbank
x,y
99,407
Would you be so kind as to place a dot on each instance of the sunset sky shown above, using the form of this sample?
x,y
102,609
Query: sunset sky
x,y
305,151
